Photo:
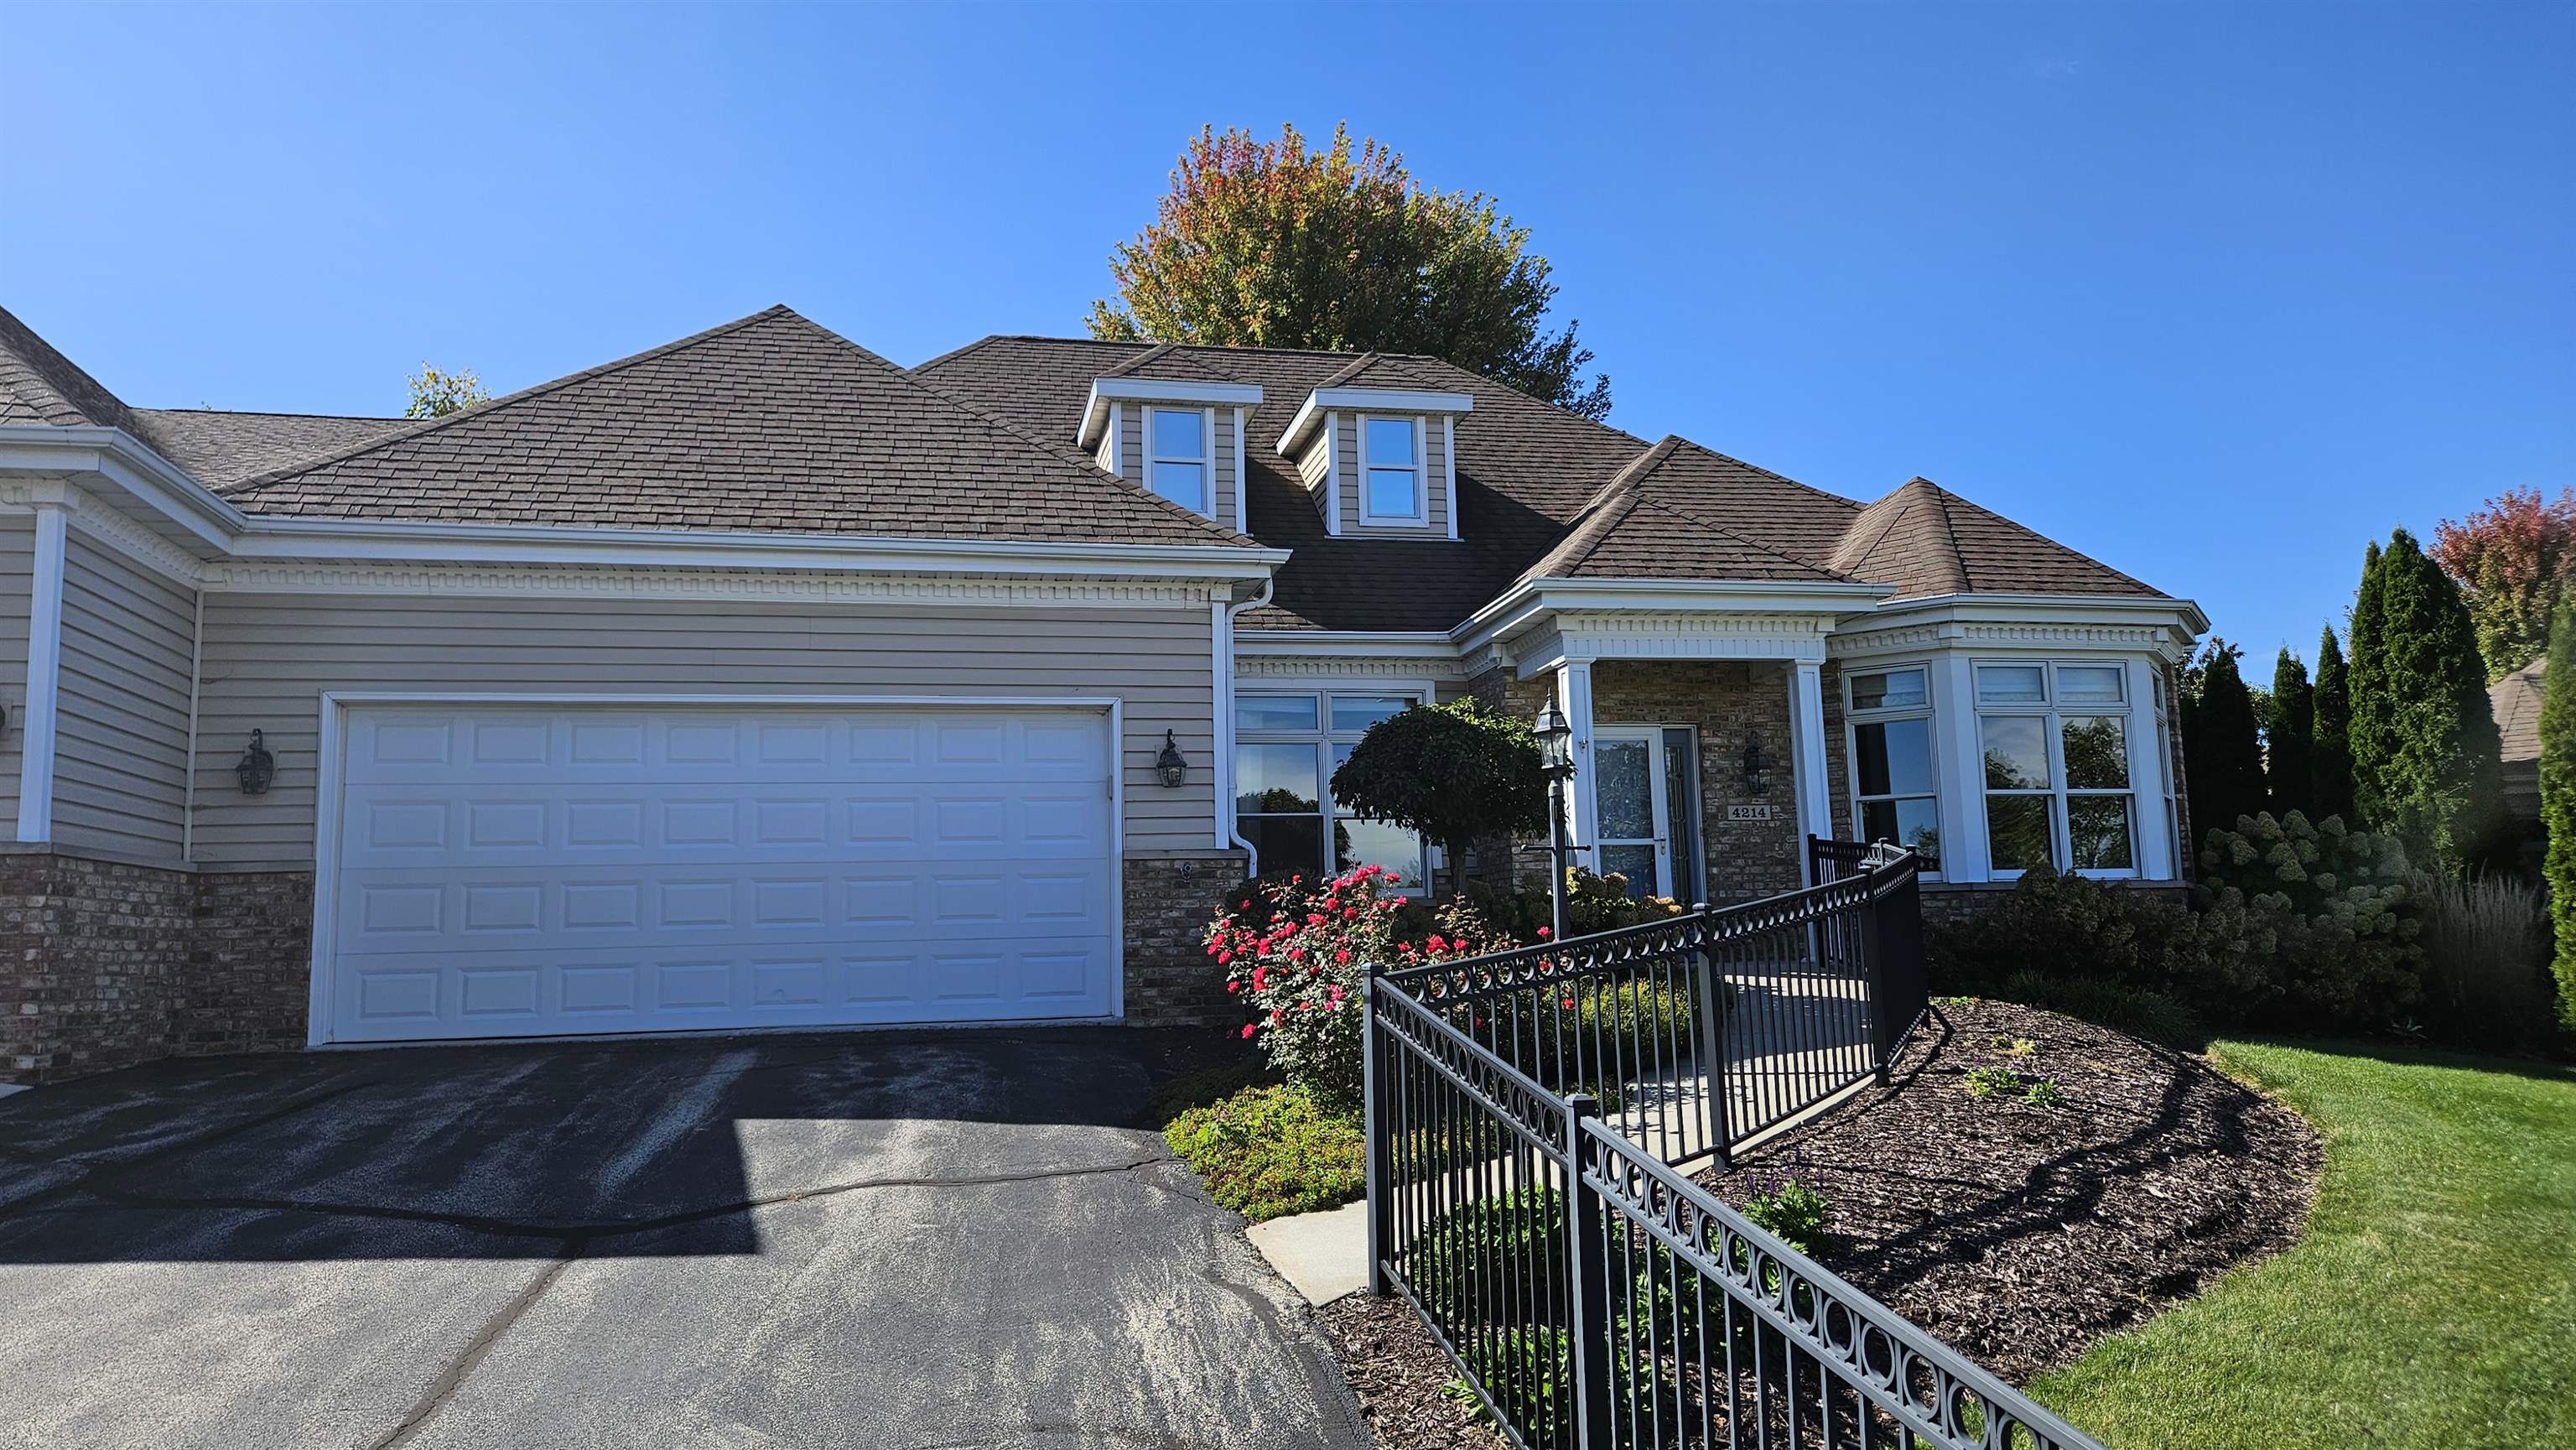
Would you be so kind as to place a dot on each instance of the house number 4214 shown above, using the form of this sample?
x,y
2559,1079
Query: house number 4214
x,y
1748,813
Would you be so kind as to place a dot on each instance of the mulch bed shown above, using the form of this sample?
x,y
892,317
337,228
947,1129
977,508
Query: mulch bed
x,y
2017,1234
1399,1373
2020,1235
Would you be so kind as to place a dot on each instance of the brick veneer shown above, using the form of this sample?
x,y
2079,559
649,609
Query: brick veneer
x,y
1171,982
249,964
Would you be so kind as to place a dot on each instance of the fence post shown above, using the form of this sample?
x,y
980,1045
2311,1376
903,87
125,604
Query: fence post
x,y
1708,989
1873,957
1589,1285
1373,1132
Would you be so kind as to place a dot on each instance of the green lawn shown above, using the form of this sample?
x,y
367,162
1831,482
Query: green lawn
x,y
2432,1302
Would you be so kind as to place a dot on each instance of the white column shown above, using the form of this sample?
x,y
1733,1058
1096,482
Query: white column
x,y
1961,762
1813,787
2147,767
1583,818
44,679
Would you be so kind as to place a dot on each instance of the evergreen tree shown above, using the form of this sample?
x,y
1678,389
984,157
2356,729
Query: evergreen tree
x,y
2226,778
2330,753
2427,773
2367,727
2558,801
2289,738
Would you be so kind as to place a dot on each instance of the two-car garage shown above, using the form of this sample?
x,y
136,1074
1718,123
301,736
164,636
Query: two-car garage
x,y
508,867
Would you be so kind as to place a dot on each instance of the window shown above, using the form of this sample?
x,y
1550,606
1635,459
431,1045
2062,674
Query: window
x,y
1895,793
2055,738
1286,749
2173,807
1177,466
1391,470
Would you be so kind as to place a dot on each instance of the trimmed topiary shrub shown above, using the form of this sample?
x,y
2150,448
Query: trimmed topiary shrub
x,y
1458,773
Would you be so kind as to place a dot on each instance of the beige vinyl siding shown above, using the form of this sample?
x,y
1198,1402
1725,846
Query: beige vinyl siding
x,y
1131,449
1435,461
268,658
17,577
1311,467
121,741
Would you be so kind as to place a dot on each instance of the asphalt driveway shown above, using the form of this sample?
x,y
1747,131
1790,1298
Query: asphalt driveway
x,y
925,1239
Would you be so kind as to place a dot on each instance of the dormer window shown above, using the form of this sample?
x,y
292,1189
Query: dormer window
x,y
1177,465
1391,488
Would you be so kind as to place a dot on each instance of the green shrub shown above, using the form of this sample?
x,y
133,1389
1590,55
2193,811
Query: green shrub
x,y
1790,1209
1270,1151
1593,903
1990,1080
2333,912
2109,931
1450,1263
2558,805
2045,1093
1529,1372
2486,944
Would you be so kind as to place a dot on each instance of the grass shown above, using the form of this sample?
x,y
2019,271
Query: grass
x,y
1271,1150
2432,1301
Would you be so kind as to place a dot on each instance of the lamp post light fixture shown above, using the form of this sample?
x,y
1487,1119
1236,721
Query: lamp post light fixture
x,y
1174,770
1556,740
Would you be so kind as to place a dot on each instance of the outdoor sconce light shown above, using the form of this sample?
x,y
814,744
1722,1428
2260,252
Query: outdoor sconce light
x,y
1757,766
1174,770
257,767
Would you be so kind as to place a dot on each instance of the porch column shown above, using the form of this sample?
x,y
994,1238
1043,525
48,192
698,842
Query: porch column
x,y
1583,814
1807,744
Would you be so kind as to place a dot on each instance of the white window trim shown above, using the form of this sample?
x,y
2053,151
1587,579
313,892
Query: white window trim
x,y
1205,463
2058,792
1323,737
1929,711
1421,511
1449,470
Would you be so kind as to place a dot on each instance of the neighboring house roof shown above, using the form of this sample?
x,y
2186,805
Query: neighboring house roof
x,y
767,424
2516,700
40,385
1536,496
220,449
1925,539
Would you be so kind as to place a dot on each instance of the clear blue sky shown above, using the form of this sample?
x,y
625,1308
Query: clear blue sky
x,y
2214,292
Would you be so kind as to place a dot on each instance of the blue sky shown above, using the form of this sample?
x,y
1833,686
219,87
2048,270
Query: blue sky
x,y
2215,293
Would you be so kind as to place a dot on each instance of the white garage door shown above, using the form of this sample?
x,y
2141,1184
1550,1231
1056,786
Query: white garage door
x,y
509,871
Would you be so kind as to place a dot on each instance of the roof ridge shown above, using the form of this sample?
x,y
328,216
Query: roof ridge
x,y
1894,517
1853,504
958,352
1949,500
1059,451
1348,371
37,360
478,410
1593,522
1139,360
278,413
1756,545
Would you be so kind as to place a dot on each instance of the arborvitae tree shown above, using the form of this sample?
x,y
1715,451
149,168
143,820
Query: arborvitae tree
x,y
2427,773
2290,746
2330,754
2368,728
2226,778
2558,800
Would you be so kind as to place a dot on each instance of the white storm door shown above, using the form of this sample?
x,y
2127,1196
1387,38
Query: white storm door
x,y
505,871
1634,818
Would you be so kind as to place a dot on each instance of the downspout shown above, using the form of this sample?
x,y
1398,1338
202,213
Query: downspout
x,y
1225,733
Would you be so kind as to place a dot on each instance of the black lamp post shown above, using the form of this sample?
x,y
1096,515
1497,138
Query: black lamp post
x,y
1556,738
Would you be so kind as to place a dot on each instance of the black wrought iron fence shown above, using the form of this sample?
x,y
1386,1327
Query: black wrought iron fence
x,y
1525,1113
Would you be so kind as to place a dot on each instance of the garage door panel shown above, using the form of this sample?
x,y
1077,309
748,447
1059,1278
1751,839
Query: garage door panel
x,y
531,871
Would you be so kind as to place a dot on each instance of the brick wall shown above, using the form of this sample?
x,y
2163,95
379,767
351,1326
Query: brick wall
x,y
1725,700
249,963
96,954
1171,980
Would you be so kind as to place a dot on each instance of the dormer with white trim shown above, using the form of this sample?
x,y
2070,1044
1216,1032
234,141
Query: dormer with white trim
x,y
1181,438
1379,461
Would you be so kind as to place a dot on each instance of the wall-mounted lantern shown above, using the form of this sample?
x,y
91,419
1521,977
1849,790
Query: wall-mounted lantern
x,y
1174,770
1757,766
257,767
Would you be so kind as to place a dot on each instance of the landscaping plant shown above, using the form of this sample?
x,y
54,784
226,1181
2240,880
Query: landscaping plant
x,y
2334,913
2289,765
1457,773
2486,952
2330,744
2424,744
1270,1151
1790,1209
2221,740
2558,804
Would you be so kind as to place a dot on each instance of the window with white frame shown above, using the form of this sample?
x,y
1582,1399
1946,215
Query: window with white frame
x,y
1176,463
1896,792
2055,740
2173,807
1391,471
1287,746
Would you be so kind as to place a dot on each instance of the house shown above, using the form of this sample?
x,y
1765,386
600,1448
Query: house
x,y
755,681
2515,700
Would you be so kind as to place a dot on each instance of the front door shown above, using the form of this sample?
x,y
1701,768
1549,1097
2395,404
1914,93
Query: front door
x,y
1632,801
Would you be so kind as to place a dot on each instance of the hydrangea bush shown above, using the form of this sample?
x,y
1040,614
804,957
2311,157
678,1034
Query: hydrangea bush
x,y
1296,954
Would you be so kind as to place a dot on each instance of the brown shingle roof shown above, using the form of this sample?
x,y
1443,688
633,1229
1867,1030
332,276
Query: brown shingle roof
x,y
1925,539
770,423
40,385
223,448
1658,520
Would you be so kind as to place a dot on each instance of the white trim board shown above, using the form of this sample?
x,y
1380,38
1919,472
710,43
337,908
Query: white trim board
x,y
41,715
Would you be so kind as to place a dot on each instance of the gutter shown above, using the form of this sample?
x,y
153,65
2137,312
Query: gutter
x,y
1225,733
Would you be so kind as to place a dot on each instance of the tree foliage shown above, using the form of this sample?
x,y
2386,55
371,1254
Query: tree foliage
x,y
2289,737
2424,747
2222,752
2558,802
1271,244
2330,755
2512,559
435,392
1458,773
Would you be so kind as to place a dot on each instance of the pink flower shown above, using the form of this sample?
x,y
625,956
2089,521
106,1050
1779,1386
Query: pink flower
x,y
1238,986
1435,943
1545,932
1248,1029
1277,1016
1260,978
1224,957
1343,955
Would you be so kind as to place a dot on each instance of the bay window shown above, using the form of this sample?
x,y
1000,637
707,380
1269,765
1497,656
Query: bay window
x,y
1287,745
1896,792
2054,738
